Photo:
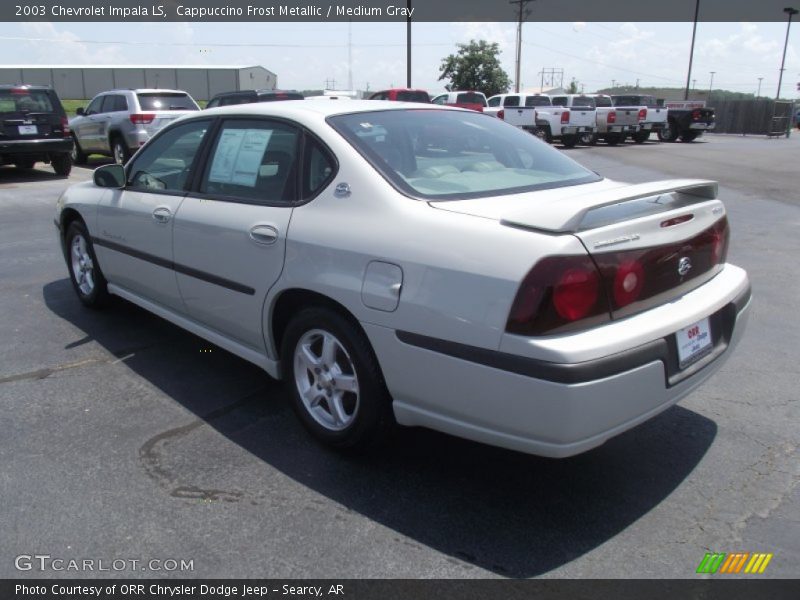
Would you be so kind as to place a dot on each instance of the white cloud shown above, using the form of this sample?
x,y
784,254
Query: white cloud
x,y
65,49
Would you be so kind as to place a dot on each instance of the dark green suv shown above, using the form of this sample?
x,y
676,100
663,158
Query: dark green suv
x,y
34,128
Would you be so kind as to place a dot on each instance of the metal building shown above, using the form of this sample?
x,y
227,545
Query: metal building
x,y
79,82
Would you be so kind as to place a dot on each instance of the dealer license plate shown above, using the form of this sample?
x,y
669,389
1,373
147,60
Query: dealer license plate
x,y
694,342
28,130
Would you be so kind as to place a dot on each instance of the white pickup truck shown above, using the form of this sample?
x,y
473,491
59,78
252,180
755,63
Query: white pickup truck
x,y
569,117
614,124
517,109
652,117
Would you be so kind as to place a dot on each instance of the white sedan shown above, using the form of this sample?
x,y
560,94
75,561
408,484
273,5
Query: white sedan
x,y
417,265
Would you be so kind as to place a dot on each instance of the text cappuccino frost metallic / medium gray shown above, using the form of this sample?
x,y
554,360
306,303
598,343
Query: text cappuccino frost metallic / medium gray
x,y
432,266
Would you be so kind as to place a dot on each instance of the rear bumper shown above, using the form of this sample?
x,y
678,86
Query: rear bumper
x,y
652,126
573,129
702,126
35,147
540,407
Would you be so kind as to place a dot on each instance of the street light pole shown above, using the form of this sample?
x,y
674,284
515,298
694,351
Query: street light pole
x,y
791,12
691,51
758,93
711,85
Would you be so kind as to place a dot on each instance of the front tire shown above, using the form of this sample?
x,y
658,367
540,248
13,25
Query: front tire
x,y
78,155
84,270
119,150
334,380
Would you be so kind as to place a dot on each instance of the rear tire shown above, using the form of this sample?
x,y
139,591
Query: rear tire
x,y
640,137
588,139
78,156
669,133
543,133
119,150
334,380
62,164
612,139
569,141
84,270
690,136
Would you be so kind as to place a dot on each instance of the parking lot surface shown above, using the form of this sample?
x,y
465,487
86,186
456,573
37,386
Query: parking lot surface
x,y
124,437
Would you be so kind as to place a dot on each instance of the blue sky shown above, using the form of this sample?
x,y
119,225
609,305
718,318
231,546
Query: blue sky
x,y
306,55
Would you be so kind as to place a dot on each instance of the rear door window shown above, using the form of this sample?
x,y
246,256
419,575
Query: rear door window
x,y
511,101
114,103
253,160
165,101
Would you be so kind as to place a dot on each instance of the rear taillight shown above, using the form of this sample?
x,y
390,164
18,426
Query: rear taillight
x,y
564,293
65,126
558,293
501,114
142,118
695,115
628,282
565,117
612,117
642,114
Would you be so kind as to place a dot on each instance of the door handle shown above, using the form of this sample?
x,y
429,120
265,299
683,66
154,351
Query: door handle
x,y
162,214
264,234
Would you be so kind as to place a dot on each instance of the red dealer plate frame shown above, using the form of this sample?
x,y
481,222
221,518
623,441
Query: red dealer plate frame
x,y
694,342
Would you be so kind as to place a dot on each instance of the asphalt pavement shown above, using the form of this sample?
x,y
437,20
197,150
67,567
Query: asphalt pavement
x,y
126,438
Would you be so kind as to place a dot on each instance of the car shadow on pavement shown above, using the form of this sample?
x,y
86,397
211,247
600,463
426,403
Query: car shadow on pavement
x,y
509,513
41,172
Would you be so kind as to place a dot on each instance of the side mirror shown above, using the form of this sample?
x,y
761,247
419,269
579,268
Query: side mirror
x,y
110,176
79,111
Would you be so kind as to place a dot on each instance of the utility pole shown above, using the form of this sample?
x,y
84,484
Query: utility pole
x,y
350,55
408,44
791,12
711,85
691,51
613,83
523,14
758,93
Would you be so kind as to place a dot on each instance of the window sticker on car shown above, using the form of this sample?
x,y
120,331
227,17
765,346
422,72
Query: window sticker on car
x,y
238,156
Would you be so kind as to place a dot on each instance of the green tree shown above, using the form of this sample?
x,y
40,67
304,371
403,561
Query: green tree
x,y
572,88
475,66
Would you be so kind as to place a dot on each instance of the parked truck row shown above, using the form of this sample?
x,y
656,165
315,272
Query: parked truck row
x,y
588,118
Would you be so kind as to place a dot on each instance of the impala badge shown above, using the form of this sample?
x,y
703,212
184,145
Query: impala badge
x,y
684,266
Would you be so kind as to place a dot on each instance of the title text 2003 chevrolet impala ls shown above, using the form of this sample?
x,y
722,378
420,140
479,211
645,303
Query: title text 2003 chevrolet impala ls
x,y
430,266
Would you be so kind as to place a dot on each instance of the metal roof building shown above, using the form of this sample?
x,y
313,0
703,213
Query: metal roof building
x,y
79,82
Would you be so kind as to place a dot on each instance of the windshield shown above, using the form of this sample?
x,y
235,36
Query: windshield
x,y
452,155
166,101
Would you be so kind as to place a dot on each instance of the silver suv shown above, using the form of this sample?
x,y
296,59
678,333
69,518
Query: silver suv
x,y
116,123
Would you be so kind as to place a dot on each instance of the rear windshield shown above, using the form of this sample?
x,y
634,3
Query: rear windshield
x,y
583,101
602,101
537,101
166,101
25,101
270,96
648,101
471,98
411,96
444,155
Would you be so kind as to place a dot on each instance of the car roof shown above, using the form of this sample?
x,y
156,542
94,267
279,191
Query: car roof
x,y
144,91
322,109
12,86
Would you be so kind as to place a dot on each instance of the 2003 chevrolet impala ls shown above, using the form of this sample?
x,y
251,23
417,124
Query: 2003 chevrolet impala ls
x,y
428,266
